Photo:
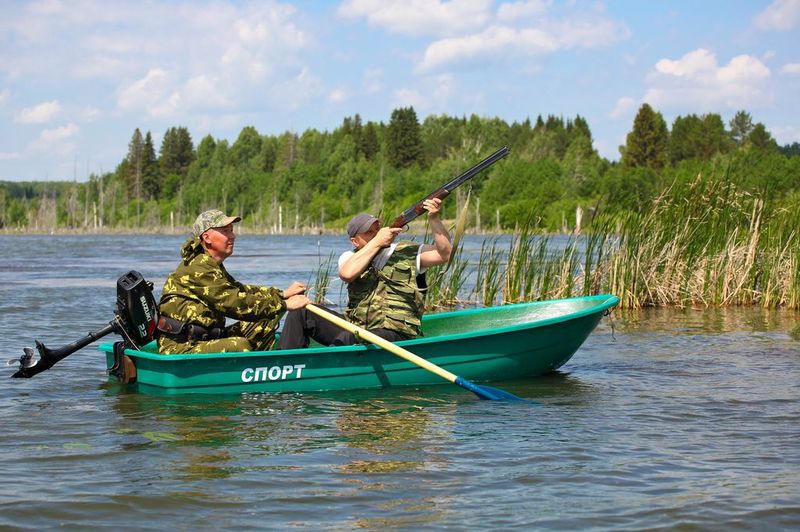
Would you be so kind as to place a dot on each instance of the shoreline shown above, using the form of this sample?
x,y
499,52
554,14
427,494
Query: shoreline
x,y
242,229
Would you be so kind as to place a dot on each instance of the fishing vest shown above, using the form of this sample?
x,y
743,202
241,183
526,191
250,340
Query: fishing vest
x,y
389,298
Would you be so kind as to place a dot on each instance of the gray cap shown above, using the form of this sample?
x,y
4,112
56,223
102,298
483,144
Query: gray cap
x,y
212,219
360,224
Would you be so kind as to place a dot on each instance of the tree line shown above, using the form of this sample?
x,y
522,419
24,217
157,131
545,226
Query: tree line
x,y
553,179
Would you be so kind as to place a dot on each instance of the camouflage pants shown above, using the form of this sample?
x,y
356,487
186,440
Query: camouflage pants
x,y
240,336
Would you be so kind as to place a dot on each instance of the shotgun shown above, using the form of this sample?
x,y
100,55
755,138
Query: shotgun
x,y
417,209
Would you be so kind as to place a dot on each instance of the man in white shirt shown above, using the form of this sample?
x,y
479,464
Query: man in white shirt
x,y
381,278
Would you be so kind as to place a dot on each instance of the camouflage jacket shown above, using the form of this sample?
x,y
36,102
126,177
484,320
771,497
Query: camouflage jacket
x,y
201,291
389,298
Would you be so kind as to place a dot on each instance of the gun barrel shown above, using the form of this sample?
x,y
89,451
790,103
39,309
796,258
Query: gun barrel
x,y
416,209
479,167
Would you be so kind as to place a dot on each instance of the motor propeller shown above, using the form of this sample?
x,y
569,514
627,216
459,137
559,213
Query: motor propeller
x,y
26,360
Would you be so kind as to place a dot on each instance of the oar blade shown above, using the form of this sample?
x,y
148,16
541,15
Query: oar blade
x,y
487,392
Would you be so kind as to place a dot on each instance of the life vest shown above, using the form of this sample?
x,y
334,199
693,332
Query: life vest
x,y
389,298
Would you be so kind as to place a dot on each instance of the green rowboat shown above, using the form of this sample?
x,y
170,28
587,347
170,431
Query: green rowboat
x,y
482,345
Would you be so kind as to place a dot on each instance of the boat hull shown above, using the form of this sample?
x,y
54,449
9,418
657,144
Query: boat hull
x,y
480,345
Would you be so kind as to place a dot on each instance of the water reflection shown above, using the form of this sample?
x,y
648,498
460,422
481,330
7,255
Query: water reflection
x,y
201,430
711,320
217,436
384,430
389,443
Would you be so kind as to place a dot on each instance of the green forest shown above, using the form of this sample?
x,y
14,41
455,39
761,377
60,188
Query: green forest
x,y
552,181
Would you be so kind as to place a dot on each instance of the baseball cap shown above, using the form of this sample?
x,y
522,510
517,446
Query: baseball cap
x,y
212,219
360,224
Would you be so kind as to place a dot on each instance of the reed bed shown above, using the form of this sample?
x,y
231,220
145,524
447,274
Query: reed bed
x,y
321,283
701,243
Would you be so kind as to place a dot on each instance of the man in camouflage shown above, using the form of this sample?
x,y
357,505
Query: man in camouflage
x,y
381,279
200,294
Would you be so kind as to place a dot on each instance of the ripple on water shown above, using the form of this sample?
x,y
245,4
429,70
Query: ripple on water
x,y
677,419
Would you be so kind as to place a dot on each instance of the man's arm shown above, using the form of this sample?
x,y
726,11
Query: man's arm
x,y
360,260
439,252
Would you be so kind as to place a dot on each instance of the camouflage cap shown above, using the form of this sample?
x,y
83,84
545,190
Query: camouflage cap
x,y
360,224
211,219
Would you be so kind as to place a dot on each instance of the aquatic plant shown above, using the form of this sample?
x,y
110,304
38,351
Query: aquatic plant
x,y
702,242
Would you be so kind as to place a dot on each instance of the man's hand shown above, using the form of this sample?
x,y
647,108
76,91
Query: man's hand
x,y
433,206
294,289
297,302
386,236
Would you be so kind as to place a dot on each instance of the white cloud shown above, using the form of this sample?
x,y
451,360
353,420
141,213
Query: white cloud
x,y
420,17
60,133
216,54
697,79
434,94
697,62
791,69
154,94
5,95
587,32
260,43
337,95
505,41
514,11
781,15
90,114
205,91
492,42
624,107
47,7
9,156
39,114
57,140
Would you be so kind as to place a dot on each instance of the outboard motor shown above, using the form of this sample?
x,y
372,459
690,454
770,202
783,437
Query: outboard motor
x,y
134,319
137,312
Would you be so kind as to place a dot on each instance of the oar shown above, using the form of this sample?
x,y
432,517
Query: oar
x,y
484,392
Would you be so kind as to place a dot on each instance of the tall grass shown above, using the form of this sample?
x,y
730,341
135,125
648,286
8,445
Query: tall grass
x,y
700,243
322,280
705,244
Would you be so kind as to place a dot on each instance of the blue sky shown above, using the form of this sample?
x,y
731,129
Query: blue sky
x,y
77,77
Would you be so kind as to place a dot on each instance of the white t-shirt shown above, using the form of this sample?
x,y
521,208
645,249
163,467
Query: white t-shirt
x,y
382,257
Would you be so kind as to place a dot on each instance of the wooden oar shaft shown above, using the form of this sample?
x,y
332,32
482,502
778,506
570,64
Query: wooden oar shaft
x,y
381,342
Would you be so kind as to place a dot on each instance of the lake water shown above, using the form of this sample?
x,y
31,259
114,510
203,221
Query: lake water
x,y
663,419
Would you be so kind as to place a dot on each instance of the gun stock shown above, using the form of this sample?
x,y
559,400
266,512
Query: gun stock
x,y
415,210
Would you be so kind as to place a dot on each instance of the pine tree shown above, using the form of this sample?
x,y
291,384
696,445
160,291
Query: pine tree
x,y
357,132
133,177
761,139
151,174
370,145
404,141
247,147
581,127
683,138
741,125
646,144
135,166
176,152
